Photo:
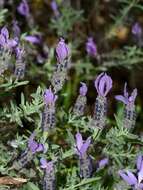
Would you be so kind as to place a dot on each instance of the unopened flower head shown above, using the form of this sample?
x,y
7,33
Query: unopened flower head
x,y
49,97
81,146
62,51
23,8
136,29
91,47
83,89
103,84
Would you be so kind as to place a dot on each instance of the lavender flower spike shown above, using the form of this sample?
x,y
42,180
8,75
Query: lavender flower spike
x,y
23,8
91,47
103,84
85,162
129,111
48,115
62,66
102,163
80,104
49,174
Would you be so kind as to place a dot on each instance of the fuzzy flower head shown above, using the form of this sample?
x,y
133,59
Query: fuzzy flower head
x,y
136,29
62,51
91,47
23,8
81,146
4,39
49,166
103,84
33,145
49,97
83,89
126,99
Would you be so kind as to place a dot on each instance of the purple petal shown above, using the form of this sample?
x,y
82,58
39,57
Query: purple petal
x,y
132,177
43,163
5,33
79,141
139,162
126,95
83,89
49,96
62,50
133,95
11,43
2,40
121,98
141,185
23,8
50,166
126,178
40,148
32,39
140,174
85,146
108,84
103,162
96,82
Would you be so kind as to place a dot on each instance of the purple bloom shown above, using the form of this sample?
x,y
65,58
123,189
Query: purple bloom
x,y
102,163
49,97
103,84
46,165
136,29
91,47
81,146
126,99
33,145
32,39
55,8
4,39
83,89
23,8
62,51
